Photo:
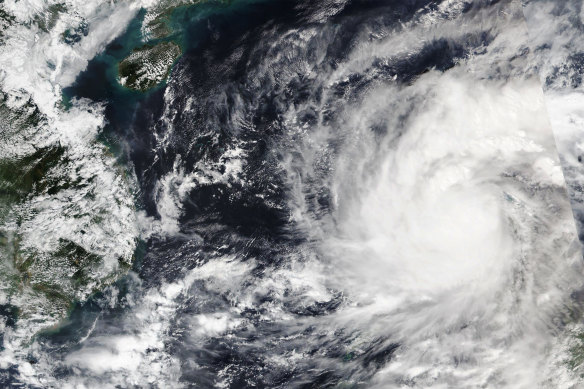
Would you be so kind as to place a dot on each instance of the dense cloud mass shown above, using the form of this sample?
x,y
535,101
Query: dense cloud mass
x,y
320,194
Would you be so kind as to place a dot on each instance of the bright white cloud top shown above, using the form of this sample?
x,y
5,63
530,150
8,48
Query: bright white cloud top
x,y
342,193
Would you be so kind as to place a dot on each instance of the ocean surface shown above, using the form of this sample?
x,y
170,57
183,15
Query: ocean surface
x,y
343,194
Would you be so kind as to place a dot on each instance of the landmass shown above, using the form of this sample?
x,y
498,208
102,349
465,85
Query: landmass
x,y
148,65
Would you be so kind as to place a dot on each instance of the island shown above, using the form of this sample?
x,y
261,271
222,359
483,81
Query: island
x,y
148,65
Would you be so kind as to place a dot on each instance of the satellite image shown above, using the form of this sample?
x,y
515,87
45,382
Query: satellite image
x,y
291,194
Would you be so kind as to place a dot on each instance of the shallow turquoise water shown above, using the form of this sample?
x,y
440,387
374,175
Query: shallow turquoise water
x,y
99,84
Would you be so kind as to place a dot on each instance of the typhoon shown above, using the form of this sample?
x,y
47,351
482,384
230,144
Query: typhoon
x,y
291,194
